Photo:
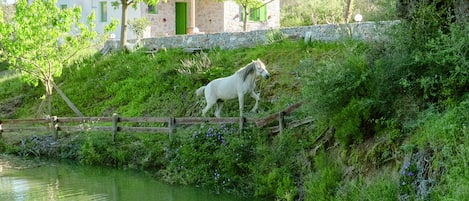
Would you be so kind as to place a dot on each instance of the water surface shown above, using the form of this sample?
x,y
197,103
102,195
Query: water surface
x,y
62,181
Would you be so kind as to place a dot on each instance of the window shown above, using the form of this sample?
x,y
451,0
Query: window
x,y
258,14
153,9
103,11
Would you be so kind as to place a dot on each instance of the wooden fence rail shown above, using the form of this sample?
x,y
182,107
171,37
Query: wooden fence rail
x,y
114,124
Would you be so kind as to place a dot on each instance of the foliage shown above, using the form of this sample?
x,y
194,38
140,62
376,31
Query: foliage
x,y
305,13
275,36
379,186
216,157
322,183
378,110
407,180
447,155
40,48
276,172
313,12
247,6
138,26
199,63
124,6
336,93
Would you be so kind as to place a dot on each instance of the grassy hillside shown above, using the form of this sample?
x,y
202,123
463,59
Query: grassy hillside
x,y
139,84
390,117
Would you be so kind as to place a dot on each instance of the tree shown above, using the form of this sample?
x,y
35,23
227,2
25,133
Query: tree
x,y
41,39
247,6
125,6
348,11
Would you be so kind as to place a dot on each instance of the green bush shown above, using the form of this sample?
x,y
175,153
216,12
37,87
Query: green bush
x,y
352,122
443,137
375,187
322,184
429,54
280,161
216,157
337,92
275,36
304,12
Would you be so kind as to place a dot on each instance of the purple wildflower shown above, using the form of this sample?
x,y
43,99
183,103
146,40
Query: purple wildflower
x,y
410,173
406,165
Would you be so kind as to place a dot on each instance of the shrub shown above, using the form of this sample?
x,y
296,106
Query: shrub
x,y
215,157
443,137
280,162
323,182
337,92
429,54
275,36
375,187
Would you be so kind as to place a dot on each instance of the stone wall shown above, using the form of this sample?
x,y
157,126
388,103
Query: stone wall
x,y
232,40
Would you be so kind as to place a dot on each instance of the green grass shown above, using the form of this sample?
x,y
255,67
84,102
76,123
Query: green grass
x,y
139,84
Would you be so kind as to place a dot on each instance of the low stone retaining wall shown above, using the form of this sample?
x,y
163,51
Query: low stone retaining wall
x,y
232,40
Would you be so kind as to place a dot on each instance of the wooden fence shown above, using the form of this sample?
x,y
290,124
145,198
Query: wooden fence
x,y
168,124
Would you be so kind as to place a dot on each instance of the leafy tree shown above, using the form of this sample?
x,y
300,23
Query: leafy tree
x,y
42,38
138,26
249,5
125,6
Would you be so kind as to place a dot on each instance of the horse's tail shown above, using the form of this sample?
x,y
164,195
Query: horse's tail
x,y
200,91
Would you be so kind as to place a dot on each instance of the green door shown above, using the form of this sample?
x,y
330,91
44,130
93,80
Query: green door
x,y
181,17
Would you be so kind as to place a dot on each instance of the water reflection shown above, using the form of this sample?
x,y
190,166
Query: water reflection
x,y
72,182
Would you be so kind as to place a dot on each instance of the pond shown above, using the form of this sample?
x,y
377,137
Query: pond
x,y
65,181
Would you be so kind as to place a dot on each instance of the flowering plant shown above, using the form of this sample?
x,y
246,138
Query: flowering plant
x,y
407,176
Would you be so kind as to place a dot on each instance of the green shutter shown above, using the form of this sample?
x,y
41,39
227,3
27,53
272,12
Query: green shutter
x,y
152,9
259,14
252,14
103,7
263,13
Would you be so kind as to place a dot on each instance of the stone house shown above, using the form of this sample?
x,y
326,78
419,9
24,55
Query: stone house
x,y
182,16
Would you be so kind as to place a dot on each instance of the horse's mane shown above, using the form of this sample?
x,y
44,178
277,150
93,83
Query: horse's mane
x,y
247,70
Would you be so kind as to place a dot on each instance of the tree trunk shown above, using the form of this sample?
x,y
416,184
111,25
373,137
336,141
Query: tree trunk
x,y
125,6
245,18
48,85
348,11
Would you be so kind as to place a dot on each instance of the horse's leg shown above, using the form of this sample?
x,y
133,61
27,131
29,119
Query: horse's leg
x,y
241,104
257,97
218,110
209,105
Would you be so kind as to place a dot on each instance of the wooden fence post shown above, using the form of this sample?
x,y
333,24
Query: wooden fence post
x,y
115,129
171,126
281,122
55,127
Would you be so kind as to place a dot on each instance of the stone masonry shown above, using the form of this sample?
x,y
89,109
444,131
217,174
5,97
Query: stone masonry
x,y
232,40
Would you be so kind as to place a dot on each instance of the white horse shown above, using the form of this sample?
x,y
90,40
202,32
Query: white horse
x,y
236,85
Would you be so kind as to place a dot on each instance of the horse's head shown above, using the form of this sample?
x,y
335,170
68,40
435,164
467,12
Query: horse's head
x,y
260,69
